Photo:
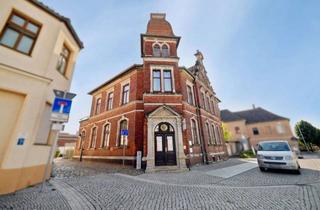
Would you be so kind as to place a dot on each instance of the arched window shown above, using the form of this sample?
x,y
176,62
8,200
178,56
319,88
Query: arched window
x,y
82,139
93,137
106,134
214,136
194,132
209,134
123,126
165,51
156,50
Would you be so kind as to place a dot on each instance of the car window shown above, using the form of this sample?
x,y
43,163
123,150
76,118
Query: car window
x,y
273,146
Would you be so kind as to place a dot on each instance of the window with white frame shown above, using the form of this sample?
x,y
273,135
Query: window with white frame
x,y
156,51
106,134
161,79
165,51
82,139
110,101
156,80
194,132
209,133
203,100
214,136
212,107
190,95
208,104
125,94
93,141
123,126
98,106
216,131
167,80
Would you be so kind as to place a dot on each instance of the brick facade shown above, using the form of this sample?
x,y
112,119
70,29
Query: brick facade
x,y
148,95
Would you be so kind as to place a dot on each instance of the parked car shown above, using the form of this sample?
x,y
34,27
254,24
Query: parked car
x,y
277,155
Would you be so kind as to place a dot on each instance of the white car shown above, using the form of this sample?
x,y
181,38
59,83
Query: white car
x,y
277,155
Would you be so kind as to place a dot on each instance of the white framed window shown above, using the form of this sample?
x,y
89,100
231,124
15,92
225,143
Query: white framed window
x,y
194,131
190,95
165,51
160,50
109,101
98,106
105,135
214,135
93,141
123,125
125,94
162,79
156,51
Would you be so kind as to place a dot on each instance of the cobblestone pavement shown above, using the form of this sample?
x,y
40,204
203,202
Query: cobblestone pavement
x,y
94,186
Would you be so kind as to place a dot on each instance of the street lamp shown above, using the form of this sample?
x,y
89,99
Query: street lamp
x,y
81,145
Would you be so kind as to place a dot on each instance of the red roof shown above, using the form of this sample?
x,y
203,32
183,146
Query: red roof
x,y
158,25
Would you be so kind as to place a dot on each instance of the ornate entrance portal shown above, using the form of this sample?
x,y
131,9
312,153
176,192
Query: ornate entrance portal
x,y
165,148
164,142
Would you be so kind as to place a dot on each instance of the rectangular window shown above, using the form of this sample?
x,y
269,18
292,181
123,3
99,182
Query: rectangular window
x,y
209,134
167,80
156,80
98,106
110,101
20,33
255,131
190,95
63,60
125,94
212,107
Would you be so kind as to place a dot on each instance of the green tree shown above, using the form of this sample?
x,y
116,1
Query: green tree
x,y
226,133
310,133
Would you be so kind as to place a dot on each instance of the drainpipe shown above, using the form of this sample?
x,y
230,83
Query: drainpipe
x,y
202,146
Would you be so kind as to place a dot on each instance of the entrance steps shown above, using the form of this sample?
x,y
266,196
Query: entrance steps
x,y
172,169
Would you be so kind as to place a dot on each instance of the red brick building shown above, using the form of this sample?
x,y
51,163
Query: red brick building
x,y
171,112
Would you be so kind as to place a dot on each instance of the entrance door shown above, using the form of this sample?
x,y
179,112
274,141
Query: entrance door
x,y
165,148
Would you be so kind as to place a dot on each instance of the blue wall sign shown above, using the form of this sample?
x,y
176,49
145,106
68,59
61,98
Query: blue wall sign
x,y
20,141
58,102
124,132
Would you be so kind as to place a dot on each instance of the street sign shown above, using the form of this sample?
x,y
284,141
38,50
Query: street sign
x,y
124,132
61,105
20,141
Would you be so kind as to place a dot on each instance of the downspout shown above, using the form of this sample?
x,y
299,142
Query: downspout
x,y
202,146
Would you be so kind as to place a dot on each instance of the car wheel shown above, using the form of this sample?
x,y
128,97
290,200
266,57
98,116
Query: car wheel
x,y
297,171
262,169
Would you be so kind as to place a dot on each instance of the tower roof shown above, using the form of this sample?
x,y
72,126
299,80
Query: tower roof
x,y
158,25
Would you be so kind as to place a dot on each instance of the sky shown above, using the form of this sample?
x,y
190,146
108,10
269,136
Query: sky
x,y
262,52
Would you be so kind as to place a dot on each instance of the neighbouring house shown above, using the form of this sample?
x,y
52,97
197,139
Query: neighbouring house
x,y
171,112
66,144
251,126
38,50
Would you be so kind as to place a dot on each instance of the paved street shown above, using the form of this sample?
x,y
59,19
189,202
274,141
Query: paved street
x,y
104,186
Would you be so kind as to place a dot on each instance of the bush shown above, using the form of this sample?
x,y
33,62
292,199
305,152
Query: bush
x,y
247,154
57,154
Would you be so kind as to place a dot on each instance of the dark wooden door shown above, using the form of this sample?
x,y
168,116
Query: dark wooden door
x,y
165,149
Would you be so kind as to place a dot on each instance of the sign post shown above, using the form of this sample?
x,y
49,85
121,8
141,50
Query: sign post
x,y
60,114
124,140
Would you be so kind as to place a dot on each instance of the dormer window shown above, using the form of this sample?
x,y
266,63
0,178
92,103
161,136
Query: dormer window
x,y
165,51
156,50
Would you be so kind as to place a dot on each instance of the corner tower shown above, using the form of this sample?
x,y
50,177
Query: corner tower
x,y
159,51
